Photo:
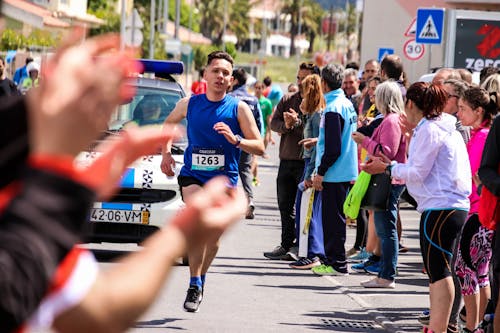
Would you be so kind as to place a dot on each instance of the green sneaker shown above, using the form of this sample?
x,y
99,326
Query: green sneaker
x,y
327,270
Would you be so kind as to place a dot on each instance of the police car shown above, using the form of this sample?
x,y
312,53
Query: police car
x,y
147,198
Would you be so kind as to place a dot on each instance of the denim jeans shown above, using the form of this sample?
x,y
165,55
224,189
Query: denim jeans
x,y
385,226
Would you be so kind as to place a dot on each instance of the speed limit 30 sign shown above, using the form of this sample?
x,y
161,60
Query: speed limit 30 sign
x,y
413,50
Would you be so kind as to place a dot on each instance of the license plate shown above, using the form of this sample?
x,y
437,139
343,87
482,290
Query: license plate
x,y
120,216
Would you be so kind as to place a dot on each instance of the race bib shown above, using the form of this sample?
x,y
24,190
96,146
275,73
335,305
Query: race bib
x,y
207,159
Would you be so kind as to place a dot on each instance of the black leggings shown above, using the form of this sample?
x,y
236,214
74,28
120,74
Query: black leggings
x,y
439,231
361,229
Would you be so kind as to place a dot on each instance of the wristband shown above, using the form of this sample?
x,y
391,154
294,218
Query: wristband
x,y
238,140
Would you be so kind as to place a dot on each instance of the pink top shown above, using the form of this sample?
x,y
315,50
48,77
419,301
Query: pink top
x,y
475,148
388,135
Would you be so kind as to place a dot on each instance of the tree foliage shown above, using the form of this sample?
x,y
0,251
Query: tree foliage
x,y
212,18
14,40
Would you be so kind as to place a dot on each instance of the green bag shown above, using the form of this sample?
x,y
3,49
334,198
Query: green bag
x,y
355,195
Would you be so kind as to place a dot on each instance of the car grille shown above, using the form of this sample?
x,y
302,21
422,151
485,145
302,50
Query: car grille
x,y
96,232
143,195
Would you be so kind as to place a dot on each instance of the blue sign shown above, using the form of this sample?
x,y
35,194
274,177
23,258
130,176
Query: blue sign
x,y
382,52
430,22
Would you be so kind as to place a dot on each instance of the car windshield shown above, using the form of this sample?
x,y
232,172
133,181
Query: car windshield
x,y
150,106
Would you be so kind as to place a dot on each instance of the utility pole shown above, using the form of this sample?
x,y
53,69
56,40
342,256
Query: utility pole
x,y
299,30
177,18
346,34
152,28
123,18
330,28
165,16
224,27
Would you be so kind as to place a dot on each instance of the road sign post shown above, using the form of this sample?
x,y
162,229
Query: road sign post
x,y
430,23
382,52
413,50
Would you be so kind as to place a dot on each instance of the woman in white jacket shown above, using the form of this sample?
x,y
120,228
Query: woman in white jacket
x,y
438,176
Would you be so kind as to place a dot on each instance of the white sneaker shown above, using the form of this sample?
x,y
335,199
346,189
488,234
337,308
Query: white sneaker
x,y
379,283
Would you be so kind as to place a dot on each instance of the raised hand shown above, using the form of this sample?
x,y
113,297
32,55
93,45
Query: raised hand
x,y
81,85
118,152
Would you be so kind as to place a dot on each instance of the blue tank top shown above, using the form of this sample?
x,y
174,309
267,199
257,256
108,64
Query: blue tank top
x,y
209,154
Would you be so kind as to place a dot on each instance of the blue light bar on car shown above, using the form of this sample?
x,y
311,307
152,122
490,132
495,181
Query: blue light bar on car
x,y
162,67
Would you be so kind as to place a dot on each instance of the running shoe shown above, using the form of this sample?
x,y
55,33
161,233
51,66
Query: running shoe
x,y
361,267
250,212
193,299
305,263
379,283
373,268
424,318
328,271
255,182
278,253
360,256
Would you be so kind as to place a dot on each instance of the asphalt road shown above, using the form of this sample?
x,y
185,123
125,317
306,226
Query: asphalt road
x,y
245,292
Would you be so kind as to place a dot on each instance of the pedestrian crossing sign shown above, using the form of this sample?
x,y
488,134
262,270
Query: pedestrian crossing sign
x,y
382,52
430,22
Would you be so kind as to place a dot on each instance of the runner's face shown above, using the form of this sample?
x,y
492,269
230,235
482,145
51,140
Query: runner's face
x,y
219,75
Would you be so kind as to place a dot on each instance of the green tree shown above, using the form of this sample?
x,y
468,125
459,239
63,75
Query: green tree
x,y
104,10
212,18
239,21
292,8
14,40
311,16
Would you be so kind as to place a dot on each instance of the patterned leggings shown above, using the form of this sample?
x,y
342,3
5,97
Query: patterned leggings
x,y
474,255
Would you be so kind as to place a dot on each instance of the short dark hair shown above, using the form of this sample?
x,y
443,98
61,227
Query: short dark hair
x,y
28,60
219,55
309,66
333,75
241,75
353,65
392,66
267,81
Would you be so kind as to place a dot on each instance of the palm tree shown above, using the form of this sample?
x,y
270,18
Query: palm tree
x,y
238,20
292,8
311,16
212,18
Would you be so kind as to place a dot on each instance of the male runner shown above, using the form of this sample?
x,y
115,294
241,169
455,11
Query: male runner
x,y
218,127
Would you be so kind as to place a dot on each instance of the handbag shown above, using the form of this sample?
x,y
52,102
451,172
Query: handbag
x,y
353,200
379,191
489,211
